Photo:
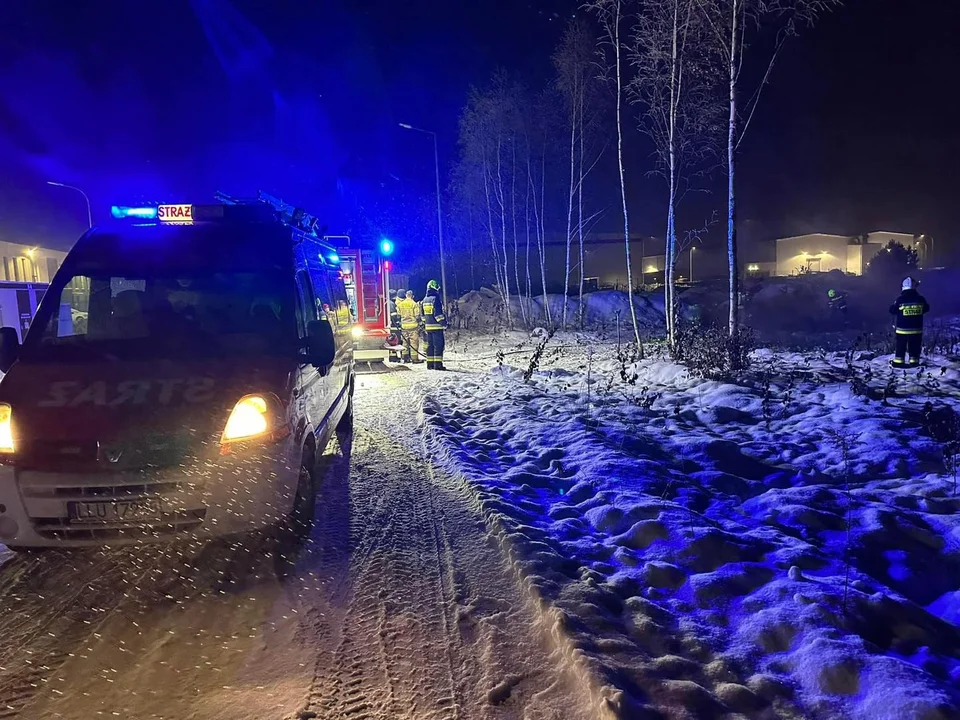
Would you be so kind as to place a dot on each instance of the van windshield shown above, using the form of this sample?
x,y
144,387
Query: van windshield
x,y
126,316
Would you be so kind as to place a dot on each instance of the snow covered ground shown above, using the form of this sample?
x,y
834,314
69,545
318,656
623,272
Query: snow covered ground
x,y
584,536
788,546
397,608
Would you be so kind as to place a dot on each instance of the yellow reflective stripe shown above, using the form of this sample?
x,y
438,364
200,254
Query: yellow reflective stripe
x,y
902,331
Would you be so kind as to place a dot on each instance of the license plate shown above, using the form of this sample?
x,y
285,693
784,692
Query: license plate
x,y
132,511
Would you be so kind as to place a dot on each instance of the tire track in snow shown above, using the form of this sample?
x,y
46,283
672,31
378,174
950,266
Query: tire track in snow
x,y
424,619
394,623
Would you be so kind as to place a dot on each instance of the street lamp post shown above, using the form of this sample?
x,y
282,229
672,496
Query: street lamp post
x,y
691,263
71,187
436,160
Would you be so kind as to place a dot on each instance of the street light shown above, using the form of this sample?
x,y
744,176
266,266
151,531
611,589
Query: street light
x,y
436,160
691,262
71,187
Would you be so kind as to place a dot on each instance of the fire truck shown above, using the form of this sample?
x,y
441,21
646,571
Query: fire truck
x,y
366,273
366,276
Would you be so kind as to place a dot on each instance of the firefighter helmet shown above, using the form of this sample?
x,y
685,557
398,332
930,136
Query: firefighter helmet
x,y
831,293
908,283
433,285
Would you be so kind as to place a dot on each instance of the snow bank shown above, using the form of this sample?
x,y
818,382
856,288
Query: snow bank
x,y
787,546
483,310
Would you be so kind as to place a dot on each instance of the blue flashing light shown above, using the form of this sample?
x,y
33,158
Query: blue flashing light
x,y
386,247
144,213
333,257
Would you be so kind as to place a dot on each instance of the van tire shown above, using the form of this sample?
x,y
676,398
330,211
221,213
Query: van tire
x,y
345,426
302,514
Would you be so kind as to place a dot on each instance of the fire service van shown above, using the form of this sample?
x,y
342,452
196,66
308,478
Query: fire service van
x,y
185,370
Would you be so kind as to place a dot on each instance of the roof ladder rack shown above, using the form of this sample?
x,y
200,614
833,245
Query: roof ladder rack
x,y
293,216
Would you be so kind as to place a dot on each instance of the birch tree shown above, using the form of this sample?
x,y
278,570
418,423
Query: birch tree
x,y
493,165
734,23
572,62
610,14
673,85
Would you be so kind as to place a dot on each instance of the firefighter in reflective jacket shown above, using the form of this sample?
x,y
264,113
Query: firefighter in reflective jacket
x,y
908,312
434,323
410,315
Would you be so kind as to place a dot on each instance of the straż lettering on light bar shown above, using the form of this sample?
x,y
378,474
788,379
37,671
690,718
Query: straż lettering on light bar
x,y
141,213
175,214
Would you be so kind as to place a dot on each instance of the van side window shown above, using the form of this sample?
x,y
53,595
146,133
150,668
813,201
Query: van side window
x,y
339,294
74,310
324,304
306,304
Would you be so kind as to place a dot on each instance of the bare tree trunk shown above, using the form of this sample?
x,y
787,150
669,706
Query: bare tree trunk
x,y
570,199
513,212
526,224
542,234
623,179
671,240
493,236
732,262
503,235
580,221
473,271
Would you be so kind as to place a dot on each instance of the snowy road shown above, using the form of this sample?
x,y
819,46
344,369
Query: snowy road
x,y
399,606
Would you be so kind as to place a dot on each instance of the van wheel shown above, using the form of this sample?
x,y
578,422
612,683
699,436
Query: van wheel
x,y
345,426
300,520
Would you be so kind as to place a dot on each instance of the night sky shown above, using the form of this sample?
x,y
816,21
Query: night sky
x,y
168,100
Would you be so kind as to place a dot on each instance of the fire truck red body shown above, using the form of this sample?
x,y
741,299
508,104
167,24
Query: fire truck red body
x,y
366,277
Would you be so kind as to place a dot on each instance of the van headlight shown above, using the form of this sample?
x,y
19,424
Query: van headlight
x,y
255,418
6,429
248,419
357,332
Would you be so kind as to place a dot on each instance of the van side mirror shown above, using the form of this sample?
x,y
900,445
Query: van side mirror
x,y
321,344
9,347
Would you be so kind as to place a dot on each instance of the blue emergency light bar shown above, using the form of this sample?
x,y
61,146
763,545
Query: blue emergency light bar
x,y
141,213
177,214
333,257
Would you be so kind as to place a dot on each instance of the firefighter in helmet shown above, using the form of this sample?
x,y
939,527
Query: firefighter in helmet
x,y
908,312
434,323
410,316
395,333
837,302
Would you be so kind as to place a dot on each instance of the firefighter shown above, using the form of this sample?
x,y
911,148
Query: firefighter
x,y
908,312
410,315
837,302
395,334
434,323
